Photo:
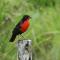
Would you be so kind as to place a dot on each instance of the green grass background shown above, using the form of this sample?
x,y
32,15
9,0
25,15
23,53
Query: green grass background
x,y
44,30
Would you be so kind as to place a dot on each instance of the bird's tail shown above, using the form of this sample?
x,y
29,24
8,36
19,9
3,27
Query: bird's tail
x,y
12,38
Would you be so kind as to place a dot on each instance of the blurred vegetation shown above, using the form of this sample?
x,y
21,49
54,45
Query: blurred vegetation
x,y
44,28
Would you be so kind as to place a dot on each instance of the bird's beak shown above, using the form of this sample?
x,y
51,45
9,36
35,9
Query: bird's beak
x,y
29,17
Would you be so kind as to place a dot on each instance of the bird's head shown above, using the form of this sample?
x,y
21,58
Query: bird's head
x,y
26,17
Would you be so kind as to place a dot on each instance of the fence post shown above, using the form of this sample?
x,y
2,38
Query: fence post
x,y
24,50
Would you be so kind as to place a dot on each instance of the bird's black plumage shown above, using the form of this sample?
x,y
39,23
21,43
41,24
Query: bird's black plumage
x,y
15,32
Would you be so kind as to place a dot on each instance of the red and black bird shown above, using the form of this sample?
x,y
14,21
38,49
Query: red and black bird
x,y
21,27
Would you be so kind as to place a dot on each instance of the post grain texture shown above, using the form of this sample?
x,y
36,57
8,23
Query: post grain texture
x,y
24,50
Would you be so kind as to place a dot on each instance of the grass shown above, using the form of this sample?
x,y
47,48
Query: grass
x,y
44,29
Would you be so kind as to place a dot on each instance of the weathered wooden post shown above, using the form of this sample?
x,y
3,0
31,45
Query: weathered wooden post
x,y
24,50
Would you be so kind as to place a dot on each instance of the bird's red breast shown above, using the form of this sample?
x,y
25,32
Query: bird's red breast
x,y
24,26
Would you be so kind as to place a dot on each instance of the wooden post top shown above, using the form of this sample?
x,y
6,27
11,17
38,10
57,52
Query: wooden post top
x,y
24,49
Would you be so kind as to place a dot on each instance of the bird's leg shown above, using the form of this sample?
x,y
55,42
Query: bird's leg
x,y
23,36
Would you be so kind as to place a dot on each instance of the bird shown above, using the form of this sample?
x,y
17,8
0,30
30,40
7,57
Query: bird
x,y
21,27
